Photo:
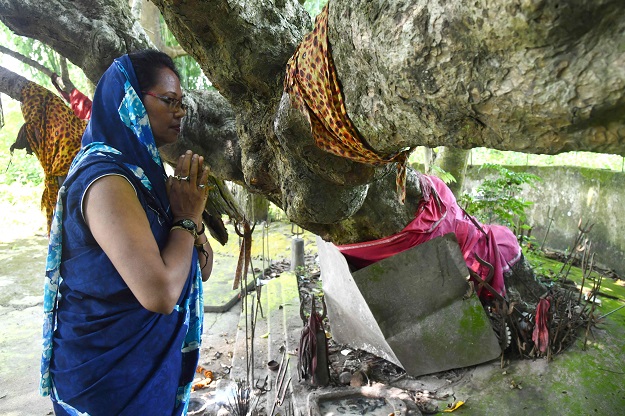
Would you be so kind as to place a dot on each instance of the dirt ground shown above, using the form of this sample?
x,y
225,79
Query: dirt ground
x,y
577,382
23,249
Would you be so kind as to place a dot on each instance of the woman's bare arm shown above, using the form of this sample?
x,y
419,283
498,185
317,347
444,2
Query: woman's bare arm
x,y
120,226
205,256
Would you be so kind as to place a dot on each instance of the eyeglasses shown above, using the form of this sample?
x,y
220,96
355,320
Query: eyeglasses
x,y
174,104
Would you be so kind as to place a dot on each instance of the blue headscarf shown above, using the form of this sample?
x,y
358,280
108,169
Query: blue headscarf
x,y
117,97
101,324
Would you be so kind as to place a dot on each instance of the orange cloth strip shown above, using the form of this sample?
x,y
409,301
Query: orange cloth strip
x,y
312,83
54,134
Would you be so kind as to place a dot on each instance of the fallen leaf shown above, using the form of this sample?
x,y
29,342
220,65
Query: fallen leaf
x,y
451,408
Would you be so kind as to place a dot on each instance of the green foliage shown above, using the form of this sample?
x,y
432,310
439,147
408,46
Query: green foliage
x,y
19,168
497,198
44,55
443,174
314,7
191,75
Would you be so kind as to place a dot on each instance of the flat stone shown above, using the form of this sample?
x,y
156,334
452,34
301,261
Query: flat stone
x,y
276,336
409,308
370,400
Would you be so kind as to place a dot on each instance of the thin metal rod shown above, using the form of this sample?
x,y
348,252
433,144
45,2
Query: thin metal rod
x,y
610,313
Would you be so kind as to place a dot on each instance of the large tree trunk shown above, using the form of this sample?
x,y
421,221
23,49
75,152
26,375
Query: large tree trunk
x,y
536,76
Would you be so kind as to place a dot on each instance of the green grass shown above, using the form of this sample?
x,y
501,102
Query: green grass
x,y
482,155
21,182
19,167
612,288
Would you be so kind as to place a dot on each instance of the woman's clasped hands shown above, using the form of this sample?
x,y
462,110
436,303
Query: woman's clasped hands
x,y
188,187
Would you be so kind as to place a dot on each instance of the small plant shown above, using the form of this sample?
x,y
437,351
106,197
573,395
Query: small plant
x,y
301,271
443,174
497,199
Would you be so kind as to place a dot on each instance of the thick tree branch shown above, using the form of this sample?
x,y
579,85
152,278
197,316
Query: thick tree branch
x,y
244,51
90,34
242,46
535,76
12,84
26,60
539,77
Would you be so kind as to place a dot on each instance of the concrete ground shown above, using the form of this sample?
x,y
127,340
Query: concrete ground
x,y
590,382
22,264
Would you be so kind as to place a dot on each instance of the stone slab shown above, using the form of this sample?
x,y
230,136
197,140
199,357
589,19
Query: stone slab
x,y
276,334
351,320
409,308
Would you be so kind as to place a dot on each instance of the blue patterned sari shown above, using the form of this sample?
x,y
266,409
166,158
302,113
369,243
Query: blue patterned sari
x,y
103,353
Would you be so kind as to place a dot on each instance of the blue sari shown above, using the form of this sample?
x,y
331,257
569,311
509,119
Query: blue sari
x,y
103,353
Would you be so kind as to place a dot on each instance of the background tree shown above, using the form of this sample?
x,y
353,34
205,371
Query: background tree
x,y
537,76
448,163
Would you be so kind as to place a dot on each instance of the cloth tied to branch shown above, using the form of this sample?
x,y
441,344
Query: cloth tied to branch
x,y
53,133
81,104
313,86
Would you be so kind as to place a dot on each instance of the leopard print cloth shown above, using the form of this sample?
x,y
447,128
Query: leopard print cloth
x,y
53,134
313,86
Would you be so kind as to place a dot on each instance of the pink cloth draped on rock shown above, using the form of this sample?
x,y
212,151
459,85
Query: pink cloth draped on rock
x,y
439,214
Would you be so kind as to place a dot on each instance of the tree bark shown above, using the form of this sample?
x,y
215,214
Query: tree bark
x,y
12,84
88,33
150,18
540,76
534,76
454,162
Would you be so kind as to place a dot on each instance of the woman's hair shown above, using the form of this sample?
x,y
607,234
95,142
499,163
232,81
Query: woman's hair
x,y
147,63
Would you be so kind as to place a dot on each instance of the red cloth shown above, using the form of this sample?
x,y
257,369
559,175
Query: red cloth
x,y
81,104
439,214
540,336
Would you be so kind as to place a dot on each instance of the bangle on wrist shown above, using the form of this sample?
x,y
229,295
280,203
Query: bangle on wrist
x,y
201,230
198,245
187,225
179,227
203,252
